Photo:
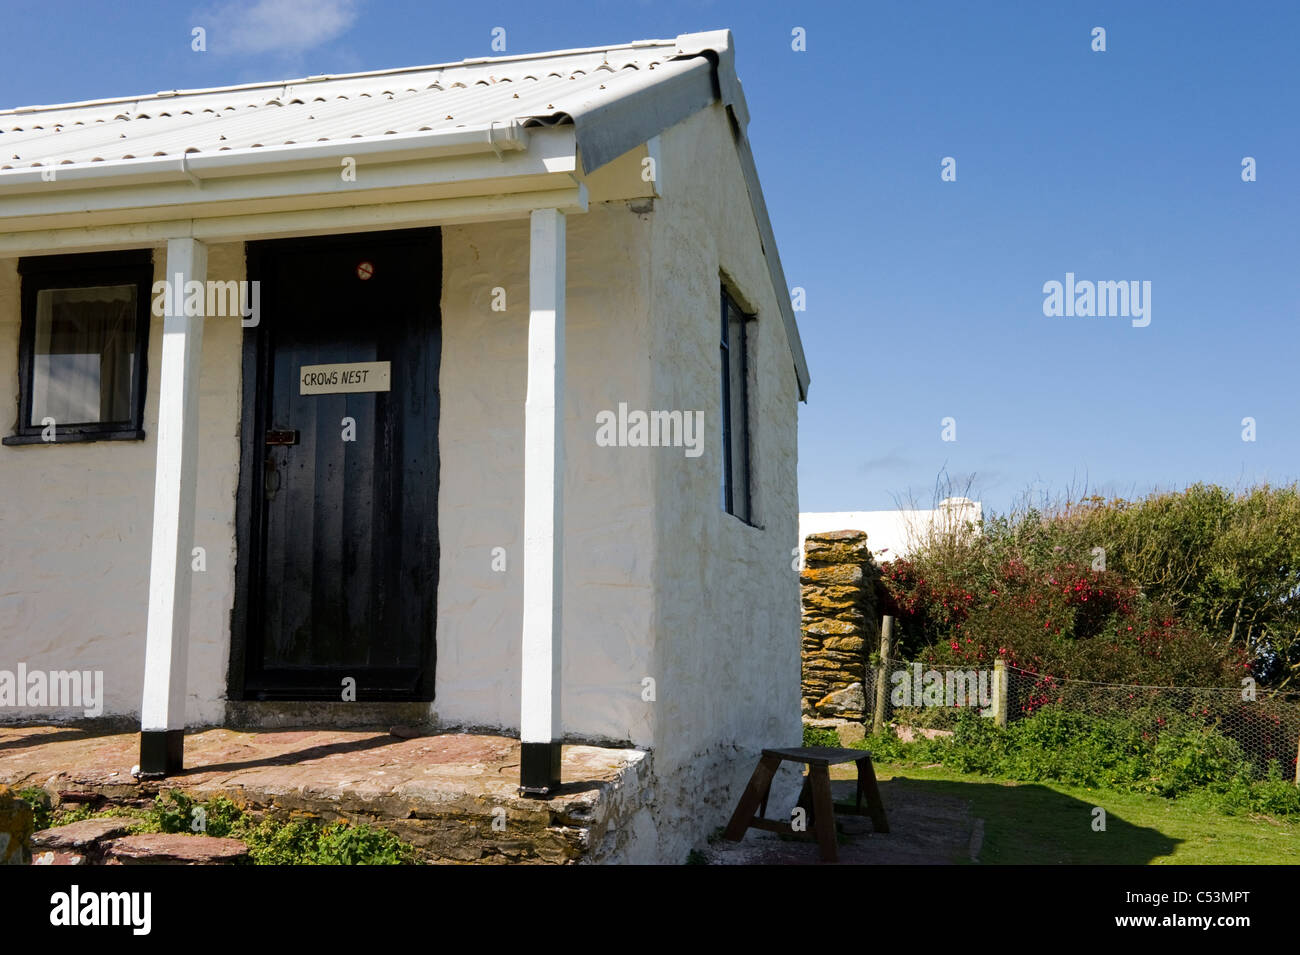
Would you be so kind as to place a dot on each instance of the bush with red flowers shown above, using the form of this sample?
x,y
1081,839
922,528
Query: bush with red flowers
x,y
1063,621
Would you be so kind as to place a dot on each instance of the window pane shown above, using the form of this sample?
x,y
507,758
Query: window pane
x,y
724,428
84,355
739,414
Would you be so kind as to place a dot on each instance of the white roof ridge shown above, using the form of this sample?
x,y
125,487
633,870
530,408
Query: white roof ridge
x,y
323,77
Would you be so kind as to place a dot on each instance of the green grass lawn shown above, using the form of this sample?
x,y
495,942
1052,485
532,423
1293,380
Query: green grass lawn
x,y
1052,823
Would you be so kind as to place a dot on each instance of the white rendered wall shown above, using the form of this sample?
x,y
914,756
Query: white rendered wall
x,y
727,649
608,569
76,518
75,524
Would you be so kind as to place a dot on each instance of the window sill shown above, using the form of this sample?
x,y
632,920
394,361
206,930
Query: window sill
x,y
76,437
757,527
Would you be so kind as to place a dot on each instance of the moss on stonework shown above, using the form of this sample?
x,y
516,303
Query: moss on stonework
x,y
832,628
840,624
305,840
16,819
834,575
836,547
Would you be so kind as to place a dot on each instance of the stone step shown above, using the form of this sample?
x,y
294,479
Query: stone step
x,y
160,848
78,843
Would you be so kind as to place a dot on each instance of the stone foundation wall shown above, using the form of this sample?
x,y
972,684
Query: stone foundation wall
x,y
841,623
601,824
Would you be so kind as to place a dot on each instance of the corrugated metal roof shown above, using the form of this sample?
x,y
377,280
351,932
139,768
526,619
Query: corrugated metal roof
x,y
616,98
551,87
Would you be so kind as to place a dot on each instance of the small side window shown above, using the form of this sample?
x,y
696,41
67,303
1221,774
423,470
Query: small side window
x,y
82,348
736,489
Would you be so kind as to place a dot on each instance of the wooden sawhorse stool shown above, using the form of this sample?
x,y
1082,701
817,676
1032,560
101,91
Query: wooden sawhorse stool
x,y
815,799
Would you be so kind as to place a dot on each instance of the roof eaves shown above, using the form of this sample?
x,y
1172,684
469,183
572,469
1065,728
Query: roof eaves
x,y
609,124
718,47
486,141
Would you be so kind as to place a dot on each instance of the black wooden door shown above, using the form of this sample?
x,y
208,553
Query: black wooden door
x,y
344,486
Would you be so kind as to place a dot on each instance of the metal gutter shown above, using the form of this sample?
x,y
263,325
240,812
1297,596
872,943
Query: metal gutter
x,y
493,138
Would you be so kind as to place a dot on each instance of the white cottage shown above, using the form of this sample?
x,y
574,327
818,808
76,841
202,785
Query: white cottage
x,y
470,388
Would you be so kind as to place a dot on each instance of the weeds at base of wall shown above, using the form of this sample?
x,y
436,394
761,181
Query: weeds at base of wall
x,y
269,842
817,736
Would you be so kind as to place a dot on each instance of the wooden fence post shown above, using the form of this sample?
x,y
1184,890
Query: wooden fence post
x,y
1000,693
882,673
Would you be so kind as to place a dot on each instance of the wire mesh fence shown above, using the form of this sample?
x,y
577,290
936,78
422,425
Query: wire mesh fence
x,y
918,698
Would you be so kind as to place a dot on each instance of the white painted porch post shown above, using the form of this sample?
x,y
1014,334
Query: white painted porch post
x,y
539,720
162,716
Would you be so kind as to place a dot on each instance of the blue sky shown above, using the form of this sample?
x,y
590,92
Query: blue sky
x,y
924,297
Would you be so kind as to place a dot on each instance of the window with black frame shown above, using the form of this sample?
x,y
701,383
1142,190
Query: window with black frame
x,y
82,347
736,496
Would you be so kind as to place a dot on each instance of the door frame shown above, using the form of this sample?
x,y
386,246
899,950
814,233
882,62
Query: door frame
x,y
255,378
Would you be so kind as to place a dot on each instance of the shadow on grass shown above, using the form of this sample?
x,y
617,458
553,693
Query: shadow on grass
x,y
1028,823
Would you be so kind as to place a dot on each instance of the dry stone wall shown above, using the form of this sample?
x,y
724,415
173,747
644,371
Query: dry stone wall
x,y
841,623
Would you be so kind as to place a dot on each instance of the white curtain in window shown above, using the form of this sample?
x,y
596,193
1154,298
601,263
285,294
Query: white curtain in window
x,y
84,355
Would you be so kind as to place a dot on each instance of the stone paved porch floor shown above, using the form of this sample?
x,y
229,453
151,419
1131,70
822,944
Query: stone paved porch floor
x,y
440,792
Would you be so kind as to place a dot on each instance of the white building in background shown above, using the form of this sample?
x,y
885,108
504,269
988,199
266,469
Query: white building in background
x,y
896,533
